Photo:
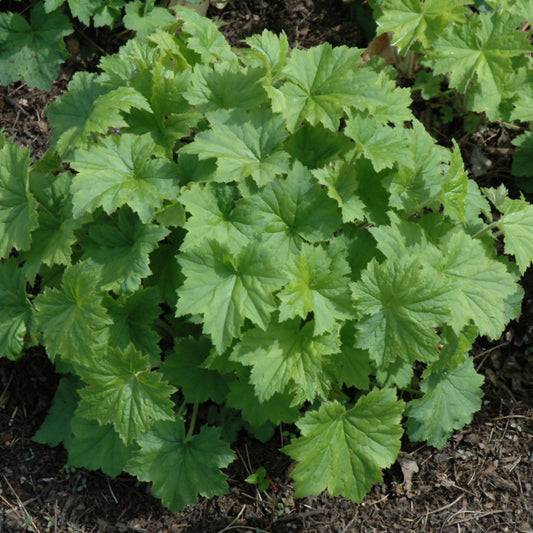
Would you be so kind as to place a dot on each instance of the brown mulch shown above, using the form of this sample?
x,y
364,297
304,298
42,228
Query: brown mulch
x,y
482,481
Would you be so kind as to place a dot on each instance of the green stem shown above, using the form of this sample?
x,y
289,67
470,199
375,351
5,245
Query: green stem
x,y
486,228
193,421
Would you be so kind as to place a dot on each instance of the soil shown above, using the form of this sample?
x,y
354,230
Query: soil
x,y
481,481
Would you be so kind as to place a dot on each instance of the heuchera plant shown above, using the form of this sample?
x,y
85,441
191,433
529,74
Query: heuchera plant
x,y
267,232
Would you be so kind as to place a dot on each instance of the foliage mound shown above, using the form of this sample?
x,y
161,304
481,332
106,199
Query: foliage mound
x,y
225,239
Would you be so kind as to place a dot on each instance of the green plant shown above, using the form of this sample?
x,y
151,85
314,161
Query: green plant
x,y
259,478
483,49
268,230
34,49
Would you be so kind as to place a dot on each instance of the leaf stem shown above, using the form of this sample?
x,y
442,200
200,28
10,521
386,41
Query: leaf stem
x,y
193,421
486,228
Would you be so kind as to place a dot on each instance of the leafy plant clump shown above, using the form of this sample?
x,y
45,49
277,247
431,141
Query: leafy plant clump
x,y
269,234
480,50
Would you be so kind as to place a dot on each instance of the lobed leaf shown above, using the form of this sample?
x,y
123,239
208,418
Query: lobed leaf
x,y
343,450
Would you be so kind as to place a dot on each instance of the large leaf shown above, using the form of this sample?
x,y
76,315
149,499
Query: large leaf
x,y
450,400
121,170
227,288
480,285
215,215
381,144
51,242
244,144
96,447
18,207
121,249
203,37
89,107
72,318
480,51
287,358
343,450
225,86
133,317
34,50
294,210
123,391
318,284
411,20
401,305
515,223
319,86
181,467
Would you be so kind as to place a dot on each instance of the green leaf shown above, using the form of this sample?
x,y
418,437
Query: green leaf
x,y
343,450
269,50
315,146
450,400
479,52
121,170
350,365
293,210
89,107
144,20
455,189
402,304
72,317
57,426
18,207
341,182
287,358
276,409
123,390
202,36
32,51
16,312
227,288
480,285
216,215
382,145
225,86
244,144
51,242
316,284
411,20
98,447
133,317
420,184
319,86
121,249
379,96
515,223
195,463
184,368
